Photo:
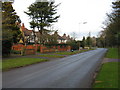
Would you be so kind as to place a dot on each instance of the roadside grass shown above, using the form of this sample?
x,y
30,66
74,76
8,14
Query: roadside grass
x,y
19,62
65,53
112,53
71,53
108,76
51,56
0,64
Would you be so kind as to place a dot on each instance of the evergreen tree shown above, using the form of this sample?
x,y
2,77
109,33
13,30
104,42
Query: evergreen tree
x,y
10,30
42,14
83,42
88,41
112,30
116,26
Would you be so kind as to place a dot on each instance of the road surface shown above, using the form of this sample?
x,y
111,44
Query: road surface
x,y
75,71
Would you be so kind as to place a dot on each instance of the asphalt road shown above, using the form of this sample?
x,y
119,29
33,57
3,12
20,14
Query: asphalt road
x,y
75,71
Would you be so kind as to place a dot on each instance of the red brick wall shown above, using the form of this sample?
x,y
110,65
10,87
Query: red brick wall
x,y
31,49
63,48
44,49
37,47
17,47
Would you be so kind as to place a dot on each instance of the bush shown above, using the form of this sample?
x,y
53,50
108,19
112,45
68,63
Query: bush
x,y
74,45
15,52
23,51
38,48
6,47
56,44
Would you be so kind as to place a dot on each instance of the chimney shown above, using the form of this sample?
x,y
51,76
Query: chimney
x,y
64,35
68,36
23,25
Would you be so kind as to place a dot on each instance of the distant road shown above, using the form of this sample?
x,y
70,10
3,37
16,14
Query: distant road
x,y
74,71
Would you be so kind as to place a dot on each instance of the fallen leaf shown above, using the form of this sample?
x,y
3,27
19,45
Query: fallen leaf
x,y
98,81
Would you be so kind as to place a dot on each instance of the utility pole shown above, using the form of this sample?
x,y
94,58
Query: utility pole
x,y
89,34
89,40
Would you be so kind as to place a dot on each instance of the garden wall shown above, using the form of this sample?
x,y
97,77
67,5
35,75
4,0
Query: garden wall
x,y
32,49
44,49
25,50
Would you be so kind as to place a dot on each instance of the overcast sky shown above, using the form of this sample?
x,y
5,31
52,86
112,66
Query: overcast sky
x,y
72,15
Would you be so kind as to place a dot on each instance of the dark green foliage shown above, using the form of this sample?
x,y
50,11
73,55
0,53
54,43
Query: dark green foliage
x,y
52,44
83,43
6,46
88,41
42,14
6,42
52,39
38,49
100,41
10,31
74,44
46,38
15,52
112,31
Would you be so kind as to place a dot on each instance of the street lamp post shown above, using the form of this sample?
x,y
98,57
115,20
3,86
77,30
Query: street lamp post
x,y
79,31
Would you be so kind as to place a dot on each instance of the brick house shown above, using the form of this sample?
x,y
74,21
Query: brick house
x,y
28,36
62,39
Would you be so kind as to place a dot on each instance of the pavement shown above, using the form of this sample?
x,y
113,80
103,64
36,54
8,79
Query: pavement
x,y
75,71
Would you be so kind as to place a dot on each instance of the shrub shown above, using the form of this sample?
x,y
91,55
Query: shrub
x,y
15,52
6,47
23,51
38,48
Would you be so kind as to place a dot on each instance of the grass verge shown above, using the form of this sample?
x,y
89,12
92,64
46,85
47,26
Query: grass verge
x,y
112,53
50,55
108,76
19,62
71,53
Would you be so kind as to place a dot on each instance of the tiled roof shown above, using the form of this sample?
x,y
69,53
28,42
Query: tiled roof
x,y
66,37
60,38
26,31
29,32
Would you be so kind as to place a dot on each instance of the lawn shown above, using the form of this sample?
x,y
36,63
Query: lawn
x,y
19,62
108,76
112,53
50,55
65,53
71,53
